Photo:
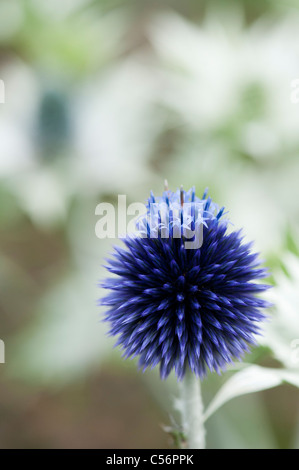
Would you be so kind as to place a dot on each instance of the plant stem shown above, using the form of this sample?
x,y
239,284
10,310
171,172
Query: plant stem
x,y
192,411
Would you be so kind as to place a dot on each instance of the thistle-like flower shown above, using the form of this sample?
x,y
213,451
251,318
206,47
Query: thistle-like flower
x,y
180,305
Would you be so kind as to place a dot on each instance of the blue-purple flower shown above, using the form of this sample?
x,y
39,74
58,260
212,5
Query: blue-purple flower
x,y
181,307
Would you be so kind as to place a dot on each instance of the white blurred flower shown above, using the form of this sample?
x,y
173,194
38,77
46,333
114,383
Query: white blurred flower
x,y
282,330
114,127
208,68
230,87
21,94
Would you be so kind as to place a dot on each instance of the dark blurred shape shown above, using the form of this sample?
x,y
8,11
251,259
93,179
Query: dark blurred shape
x,y
31,260
282,407
110,410
53,123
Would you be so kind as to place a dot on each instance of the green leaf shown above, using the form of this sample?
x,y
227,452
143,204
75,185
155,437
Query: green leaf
x,y
251,379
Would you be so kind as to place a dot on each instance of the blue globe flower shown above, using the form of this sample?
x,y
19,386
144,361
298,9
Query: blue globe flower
x,y
183,307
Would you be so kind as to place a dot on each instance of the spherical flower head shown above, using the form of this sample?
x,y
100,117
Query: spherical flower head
x,y
180,305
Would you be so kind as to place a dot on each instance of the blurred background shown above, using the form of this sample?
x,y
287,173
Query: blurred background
x,y
110,97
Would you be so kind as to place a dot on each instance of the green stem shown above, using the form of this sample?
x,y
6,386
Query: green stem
x,y
192,411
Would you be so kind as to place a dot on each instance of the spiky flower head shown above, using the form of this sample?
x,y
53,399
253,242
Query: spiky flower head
x,y
180,305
